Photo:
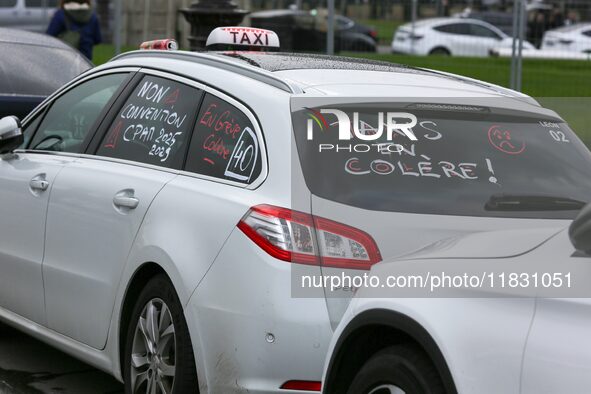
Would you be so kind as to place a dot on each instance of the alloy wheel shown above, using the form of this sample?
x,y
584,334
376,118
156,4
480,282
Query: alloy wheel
x,y
153,357
387,389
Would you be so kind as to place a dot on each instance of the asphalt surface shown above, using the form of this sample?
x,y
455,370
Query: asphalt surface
x,y
28,366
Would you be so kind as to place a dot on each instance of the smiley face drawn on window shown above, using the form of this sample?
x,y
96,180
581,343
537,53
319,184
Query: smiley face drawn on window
x,y
505,140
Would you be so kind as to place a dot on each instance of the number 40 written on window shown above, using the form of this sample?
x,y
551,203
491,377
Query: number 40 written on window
x,y
244,156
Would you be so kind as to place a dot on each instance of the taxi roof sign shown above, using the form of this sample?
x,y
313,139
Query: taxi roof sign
x,y
237,37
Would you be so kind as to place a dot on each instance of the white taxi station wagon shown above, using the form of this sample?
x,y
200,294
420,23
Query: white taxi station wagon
x,y
148,222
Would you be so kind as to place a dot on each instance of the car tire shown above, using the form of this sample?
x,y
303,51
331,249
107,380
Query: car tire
x,y
396,370
440,51
159,340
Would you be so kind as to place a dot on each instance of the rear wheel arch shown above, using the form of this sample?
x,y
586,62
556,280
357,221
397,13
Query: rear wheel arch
x,y
372,331
137,283
440,50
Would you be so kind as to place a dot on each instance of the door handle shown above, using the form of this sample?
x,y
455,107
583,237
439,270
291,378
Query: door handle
x,y
39,184
128,202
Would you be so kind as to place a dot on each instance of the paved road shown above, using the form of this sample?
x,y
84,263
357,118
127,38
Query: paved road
x,y
27,366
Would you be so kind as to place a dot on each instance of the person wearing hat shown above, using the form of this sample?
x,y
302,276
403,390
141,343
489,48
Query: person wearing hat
x,y
77,25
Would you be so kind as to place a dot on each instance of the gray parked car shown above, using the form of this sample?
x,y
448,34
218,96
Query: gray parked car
x,y
37,66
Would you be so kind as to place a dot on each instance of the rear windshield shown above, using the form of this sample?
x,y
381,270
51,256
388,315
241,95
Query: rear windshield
x,y
473,164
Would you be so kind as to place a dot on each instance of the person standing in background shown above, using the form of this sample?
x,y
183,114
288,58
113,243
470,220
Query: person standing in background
x,y
77,25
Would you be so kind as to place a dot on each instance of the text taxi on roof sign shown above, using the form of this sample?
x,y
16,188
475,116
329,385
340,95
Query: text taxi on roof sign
x,y
227,38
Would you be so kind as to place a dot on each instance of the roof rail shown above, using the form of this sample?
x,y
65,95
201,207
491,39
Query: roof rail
x,y
218,62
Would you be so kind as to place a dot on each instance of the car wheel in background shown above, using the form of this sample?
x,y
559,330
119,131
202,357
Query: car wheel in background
x,y
400,369
158,349
440,51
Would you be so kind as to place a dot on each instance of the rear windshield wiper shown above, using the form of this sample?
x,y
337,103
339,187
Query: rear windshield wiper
x,y
520,202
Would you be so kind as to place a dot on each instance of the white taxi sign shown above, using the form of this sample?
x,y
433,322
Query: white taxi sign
x,y
242,37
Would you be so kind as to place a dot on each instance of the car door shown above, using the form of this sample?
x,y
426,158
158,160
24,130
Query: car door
x,y
456,37
100,200
9,12
27,179
483,40
466,43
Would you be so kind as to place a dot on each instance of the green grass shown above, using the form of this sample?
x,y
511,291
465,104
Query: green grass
x,y
385,29
575,110
104,52
541,78
562,85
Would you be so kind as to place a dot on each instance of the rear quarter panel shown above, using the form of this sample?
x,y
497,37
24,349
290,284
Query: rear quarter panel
x,y
191,218
481,339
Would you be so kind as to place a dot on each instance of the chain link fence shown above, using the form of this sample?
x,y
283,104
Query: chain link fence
x,y
468,37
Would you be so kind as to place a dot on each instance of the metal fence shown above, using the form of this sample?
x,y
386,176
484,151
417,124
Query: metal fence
x,y
479,38
476,38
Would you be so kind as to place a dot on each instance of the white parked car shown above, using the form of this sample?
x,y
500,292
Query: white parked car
x,y
574,38
475,341
450,36
150,224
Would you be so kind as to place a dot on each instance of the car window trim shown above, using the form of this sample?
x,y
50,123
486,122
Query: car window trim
x,y
491,28
450,24
12,7
109,118
140,75
168,75
105,112
43,108
100,117
240,106
193,127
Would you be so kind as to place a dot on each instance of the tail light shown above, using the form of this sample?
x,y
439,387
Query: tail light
x,y
373,34
301,238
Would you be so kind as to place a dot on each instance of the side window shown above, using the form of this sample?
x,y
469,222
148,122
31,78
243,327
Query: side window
x,y
343,23
71,117
29,130
224,143
40,3
7,3
587,33
481,31
454,28
154,124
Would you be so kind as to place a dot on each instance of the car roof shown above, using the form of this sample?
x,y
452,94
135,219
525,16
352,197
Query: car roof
x,y
430,22
572,28
37,72
297,73
282,61
23,37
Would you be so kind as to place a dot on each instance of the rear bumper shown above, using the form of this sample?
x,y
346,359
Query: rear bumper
x,y
249,334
